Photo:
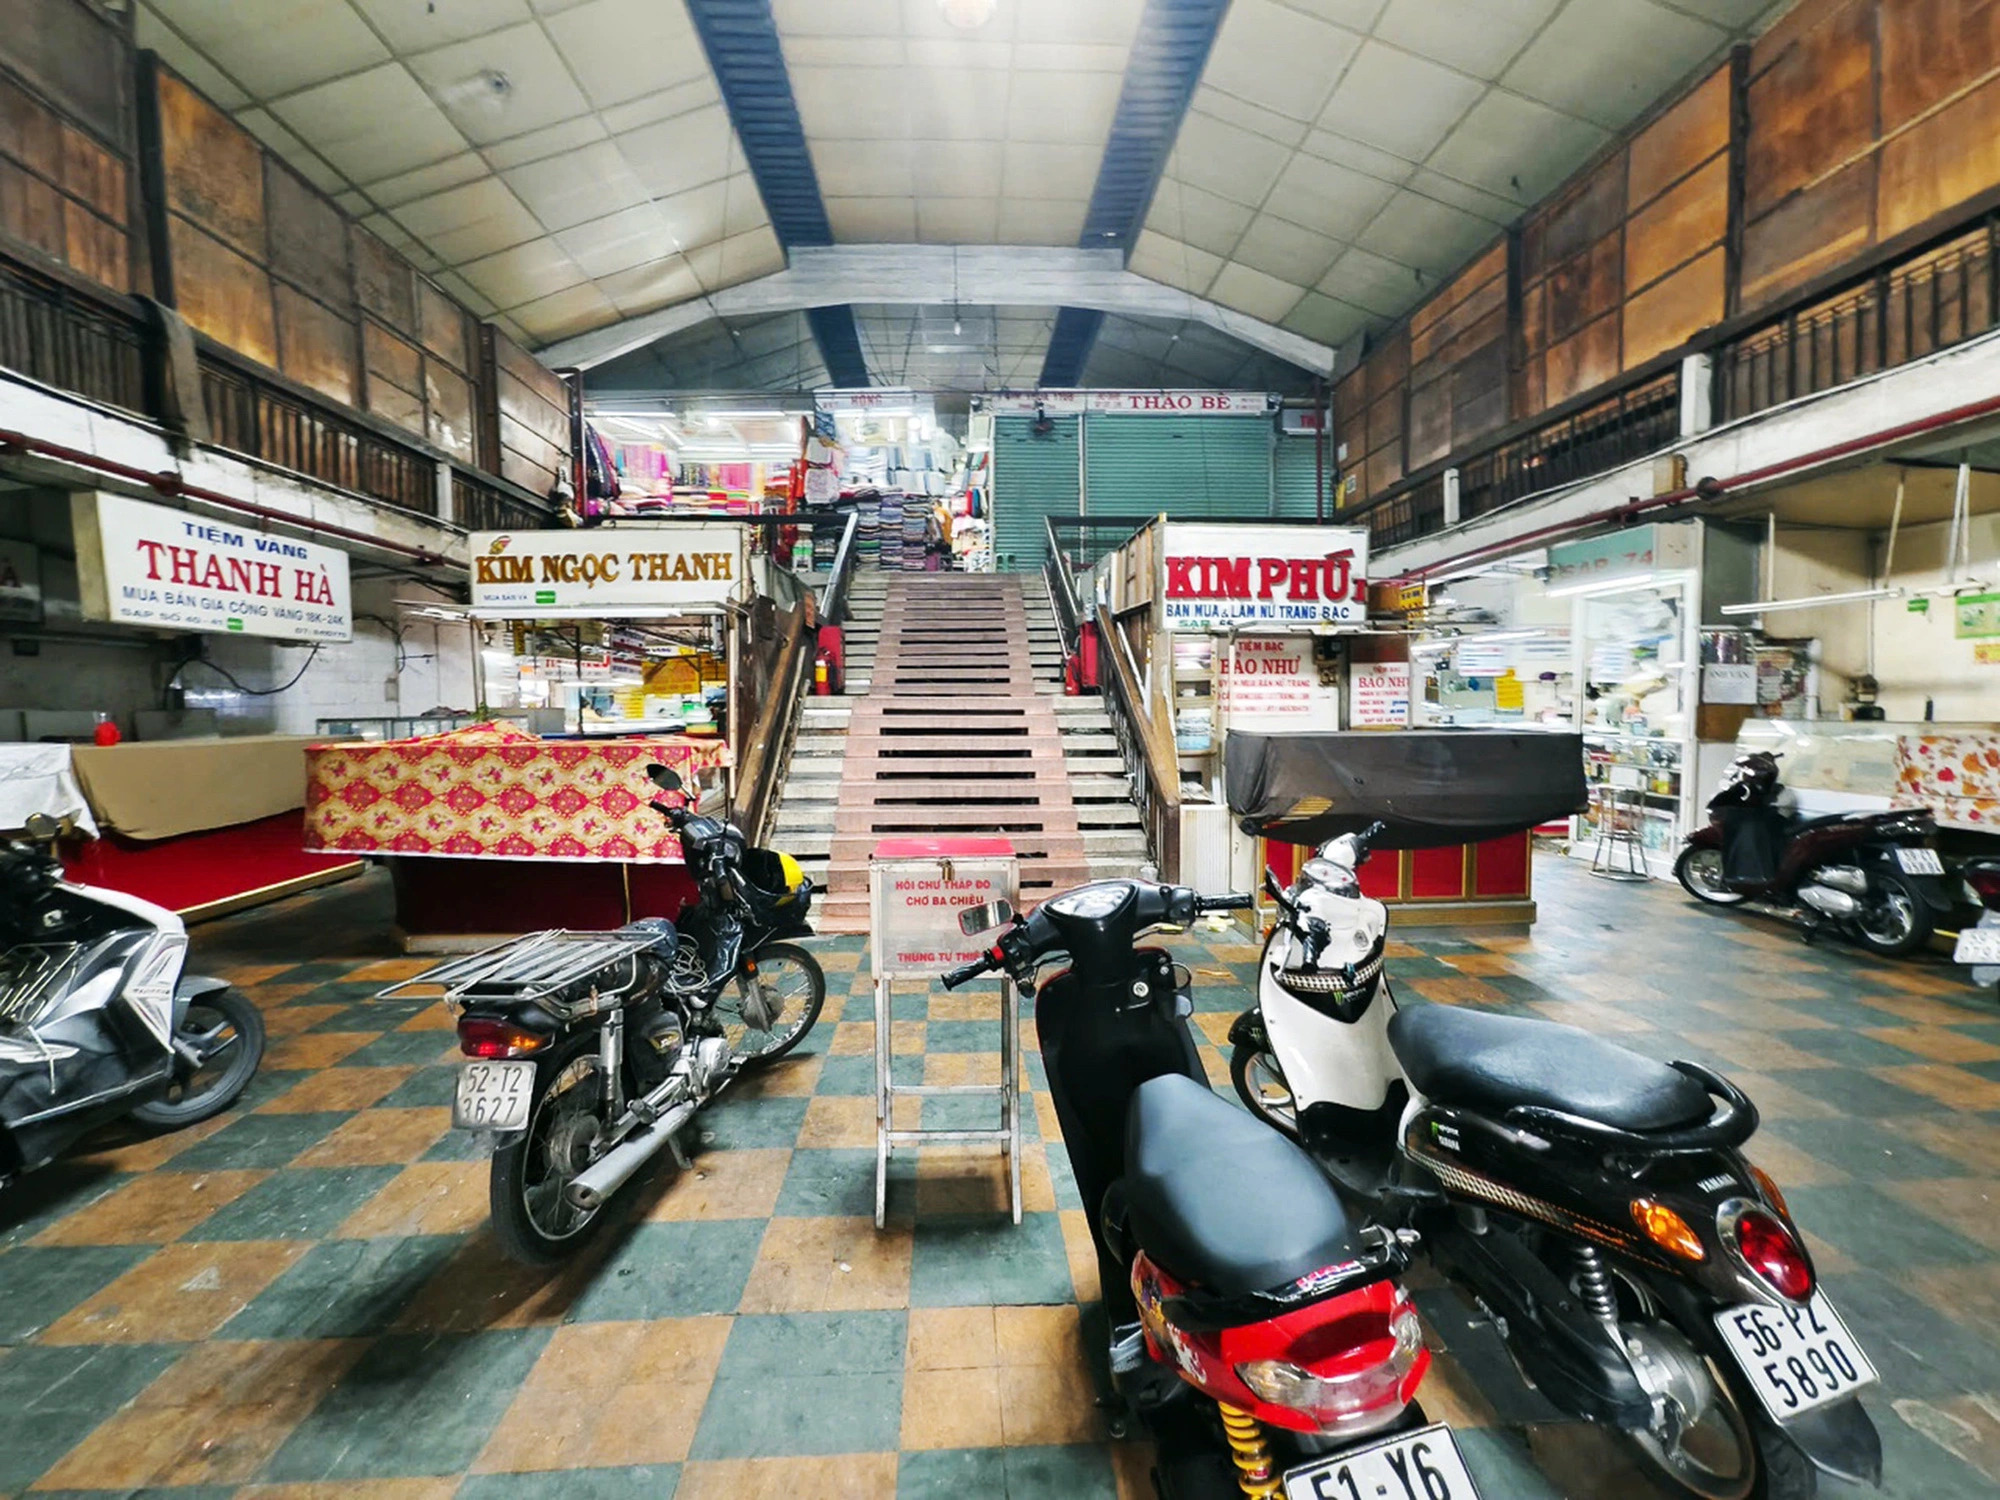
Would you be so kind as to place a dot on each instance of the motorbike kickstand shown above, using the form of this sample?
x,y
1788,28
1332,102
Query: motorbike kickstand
x,y
680,1152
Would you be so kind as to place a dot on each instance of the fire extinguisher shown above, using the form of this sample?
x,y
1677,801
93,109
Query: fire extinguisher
x,y
823,673
1072,676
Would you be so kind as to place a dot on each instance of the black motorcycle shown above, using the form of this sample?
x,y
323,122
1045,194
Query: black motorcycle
x,y
1257,1331
588,1052
97,1021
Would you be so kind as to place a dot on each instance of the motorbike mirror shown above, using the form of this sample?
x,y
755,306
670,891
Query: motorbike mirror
x,y
985,917
664,777
42,828
1275,891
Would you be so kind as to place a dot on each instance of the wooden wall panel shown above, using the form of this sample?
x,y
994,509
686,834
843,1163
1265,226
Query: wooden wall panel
x,y
448,410
1812,107
534,416
96,247
76,56
384,284
1430,435
1584,360
1932,49
1682,139
1813,232
63,191
31,211
308,238
1672,311
441,325
316,345
214,168
1942,161
222,294
1681,224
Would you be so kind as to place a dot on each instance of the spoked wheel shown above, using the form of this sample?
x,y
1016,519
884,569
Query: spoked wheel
x,y
1260,1084
1699,870
225,1034
532,1215
787,990
1893,920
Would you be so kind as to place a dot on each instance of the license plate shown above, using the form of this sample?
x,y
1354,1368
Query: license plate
x,y
1797,1358
493,1095
1415,1466
1919,861
1977,945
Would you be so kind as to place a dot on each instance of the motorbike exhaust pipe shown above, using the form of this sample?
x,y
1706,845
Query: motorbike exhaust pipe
x,y
614,1169
1831,902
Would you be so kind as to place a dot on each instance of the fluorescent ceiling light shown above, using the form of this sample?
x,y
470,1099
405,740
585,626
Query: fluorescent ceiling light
x,y
1481,638
1811,601
1605,586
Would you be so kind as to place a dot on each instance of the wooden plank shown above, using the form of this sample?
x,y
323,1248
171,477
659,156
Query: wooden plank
x,y
1589,211
1385,423
1587,359
32,211
77,55
1940,163
29,133
1584,288
448,409
223,294
1813,232
1387,366
523,406
316,345
93,175
1674,310
308,237
1430,421
97,248
441,325
1479,393
1811,109
1476,304
1932,49
529,371
1682,139
1679,226
214,169
384,283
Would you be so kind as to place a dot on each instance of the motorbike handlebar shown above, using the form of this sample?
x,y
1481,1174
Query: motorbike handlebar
x,y
1234,901
966,973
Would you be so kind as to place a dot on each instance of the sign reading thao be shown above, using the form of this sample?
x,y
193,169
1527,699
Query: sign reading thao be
x,y
143,564
629,572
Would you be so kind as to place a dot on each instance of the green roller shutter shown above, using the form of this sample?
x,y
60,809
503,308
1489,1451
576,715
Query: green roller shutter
x,y
1033,477
1295,471
1189,467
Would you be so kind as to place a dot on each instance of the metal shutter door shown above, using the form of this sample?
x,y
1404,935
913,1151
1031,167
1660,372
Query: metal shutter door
x,y
1189,467
1295,478
1033,477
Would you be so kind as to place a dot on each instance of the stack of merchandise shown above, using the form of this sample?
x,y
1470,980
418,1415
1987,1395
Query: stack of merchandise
x,y
889,531
868,537
916,522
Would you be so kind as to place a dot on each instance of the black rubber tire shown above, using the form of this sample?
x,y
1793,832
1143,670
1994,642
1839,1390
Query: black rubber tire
x,y
1920,921
1240,1058
513,1225
1694,888
170,1114
815,1003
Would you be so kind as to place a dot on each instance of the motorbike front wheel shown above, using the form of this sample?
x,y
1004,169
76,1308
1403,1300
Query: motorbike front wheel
x,y
1699,870
533,1218
1894,920
1260,1084
226,1033
794,992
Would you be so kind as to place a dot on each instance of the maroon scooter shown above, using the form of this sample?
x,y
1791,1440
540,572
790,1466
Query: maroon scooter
x,y
1873,877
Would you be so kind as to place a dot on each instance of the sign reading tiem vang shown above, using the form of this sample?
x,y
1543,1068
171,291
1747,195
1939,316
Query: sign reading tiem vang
x,y
629,571
143,564
1223,577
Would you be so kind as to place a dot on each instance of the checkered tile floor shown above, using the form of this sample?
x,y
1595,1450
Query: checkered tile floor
x,y
300,1300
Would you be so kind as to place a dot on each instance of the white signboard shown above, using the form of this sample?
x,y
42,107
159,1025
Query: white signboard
x,y
916,903
143,564
1272,683
20,582
1379,696
1221,576
1139,403
1729,682
628,572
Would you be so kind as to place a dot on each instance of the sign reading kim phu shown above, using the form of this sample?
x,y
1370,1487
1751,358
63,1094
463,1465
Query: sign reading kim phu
x,y
631,572
1265,577
144,564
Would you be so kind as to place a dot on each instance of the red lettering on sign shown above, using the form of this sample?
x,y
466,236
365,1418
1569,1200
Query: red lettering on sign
x,y
1180,577
1270,573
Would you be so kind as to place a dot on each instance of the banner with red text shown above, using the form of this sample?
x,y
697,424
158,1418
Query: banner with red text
x,y
1222,577
1269,684
144,564
632,571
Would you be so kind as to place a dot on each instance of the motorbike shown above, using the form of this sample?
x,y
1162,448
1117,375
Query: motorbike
x,y
1259,1333
1594,1204
587,1053
1979,944
98,1021
1872,876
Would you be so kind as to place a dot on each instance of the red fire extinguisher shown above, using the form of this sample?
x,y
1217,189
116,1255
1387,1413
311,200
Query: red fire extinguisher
x,y
823,673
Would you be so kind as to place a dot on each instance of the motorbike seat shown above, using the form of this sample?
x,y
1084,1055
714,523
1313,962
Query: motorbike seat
x,y
1492,1063
1220,1199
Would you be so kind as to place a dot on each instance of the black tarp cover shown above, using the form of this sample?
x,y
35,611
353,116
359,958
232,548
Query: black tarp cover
x,y
1433,787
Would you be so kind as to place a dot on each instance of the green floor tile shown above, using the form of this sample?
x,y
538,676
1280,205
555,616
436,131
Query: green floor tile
x,y
806,1383
300,1203
1880,1232
427,1088
55,1397
644,1482
965,1260
731,1124
410,1406
257,1141
343,1289
32,1203
676,1270
400,1049
1856,1093
39,1283
1851,1048
962,1036
830,1184
1869,1149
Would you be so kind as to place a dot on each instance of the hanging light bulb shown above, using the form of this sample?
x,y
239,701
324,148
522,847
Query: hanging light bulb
x,y
956,330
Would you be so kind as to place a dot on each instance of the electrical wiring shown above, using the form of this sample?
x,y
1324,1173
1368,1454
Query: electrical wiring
x,y
231,678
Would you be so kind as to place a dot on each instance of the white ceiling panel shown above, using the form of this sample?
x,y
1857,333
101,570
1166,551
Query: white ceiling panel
x,y
371,125
1174,263
539,145
843,51
1040,221
1489,206
680,153
851,104
1224,160
1280,58
1372,281
741,257
539,87
154,34
1252,291
1055,106
317,40
654,284
620,241
957,169
620,50
1251,117
1398,101
880,221
420,25
666,104
1188,214
1420,232
866,169
467,222
1330,197
1484,150
1332,322
564,191
453,171
958,221
550,318
524,273
1608,60
1476,37
1064,22
967,104
1049,171
308,164
1286,251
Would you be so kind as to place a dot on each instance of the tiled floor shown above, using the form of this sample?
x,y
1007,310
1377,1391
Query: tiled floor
x,y
301,1300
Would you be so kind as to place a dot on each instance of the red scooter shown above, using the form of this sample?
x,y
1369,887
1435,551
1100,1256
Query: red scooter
x,y
1871,876
1258,1332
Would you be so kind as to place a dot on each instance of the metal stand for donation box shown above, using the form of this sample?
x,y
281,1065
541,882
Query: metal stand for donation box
x,y
917,888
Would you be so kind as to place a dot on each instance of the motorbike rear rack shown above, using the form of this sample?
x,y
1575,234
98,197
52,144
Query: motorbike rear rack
x,y
534,967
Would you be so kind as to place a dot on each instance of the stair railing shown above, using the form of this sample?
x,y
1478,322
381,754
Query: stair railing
x,y
833,597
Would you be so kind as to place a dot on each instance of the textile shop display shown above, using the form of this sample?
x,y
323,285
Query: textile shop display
x,y
40,779
493,791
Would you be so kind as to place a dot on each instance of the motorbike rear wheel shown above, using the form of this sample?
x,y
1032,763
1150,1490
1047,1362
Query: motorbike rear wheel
x,y
1260,1084
1894,920
227,1032
533,1218
1699,870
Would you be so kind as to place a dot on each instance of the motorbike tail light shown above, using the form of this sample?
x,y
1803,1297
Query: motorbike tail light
x,y
1985,883
1355,1389
1769,1249
1770,1189
1668,1229
480,1036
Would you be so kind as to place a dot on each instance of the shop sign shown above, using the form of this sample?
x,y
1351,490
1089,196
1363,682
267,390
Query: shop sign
x,y
1221,577
915,906
1976,616
1273,683
1411,597
1379,696
629,572
1987,653
1138,403
144,564
1634,553
20,583
1729,682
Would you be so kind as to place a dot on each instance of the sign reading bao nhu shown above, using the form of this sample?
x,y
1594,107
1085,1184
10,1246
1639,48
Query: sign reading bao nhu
x,y
143,564
630,571
1219,577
